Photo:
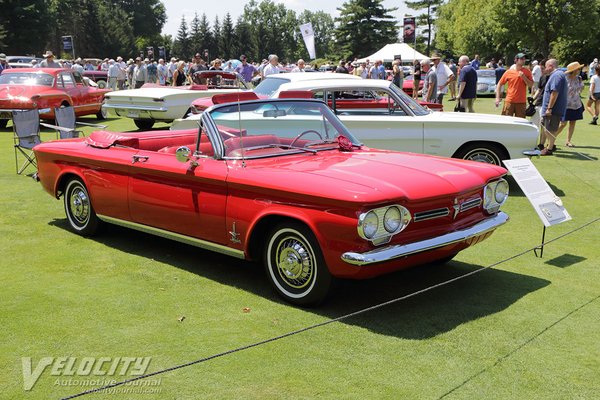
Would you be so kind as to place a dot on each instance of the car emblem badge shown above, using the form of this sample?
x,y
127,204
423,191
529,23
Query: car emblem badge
x,y
235,237
456,208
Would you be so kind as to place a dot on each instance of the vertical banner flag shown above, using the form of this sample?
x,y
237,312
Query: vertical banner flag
x,y
410,27
309,39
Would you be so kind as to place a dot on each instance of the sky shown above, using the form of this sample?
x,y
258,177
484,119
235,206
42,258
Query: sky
x,y
178,8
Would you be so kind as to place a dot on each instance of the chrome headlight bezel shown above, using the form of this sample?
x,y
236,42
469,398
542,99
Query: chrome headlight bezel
x,y
391,220
495,195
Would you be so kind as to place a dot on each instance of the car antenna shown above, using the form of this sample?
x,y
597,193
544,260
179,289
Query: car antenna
x,y
240,130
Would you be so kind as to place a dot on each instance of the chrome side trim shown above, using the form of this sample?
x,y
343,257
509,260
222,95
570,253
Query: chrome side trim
x,y
396,251
134,107
175,236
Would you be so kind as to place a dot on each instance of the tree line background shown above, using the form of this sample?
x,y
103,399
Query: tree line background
x,y
492,28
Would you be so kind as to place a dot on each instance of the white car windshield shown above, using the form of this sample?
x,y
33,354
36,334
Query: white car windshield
x,y
278,127
26,78
269,86
415,107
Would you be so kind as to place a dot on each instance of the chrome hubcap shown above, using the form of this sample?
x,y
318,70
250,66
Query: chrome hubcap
x,y
80,205
483,157
294,263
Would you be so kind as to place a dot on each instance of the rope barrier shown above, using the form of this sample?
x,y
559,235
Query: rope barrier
x,y
327,322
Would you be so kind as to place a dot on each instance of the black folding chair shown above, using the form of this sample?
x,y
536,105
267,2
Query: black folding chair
x,y
26,127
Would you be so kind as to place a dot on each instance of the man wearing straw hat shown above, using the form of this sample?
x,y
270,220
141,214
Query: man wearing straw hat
x,y
49,61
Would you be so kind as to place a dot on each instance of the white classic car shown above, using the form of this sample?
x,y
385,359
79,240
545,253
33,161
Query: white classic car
x,y
486,81
383,116
153,102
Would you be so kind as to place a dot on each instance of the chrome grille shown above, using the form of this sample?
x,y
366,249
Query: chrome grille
x,y
473,203
430,214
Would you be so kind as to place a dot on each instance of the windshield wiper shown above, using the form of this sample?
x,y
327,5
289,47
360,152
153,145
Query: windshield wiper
x,y
279,145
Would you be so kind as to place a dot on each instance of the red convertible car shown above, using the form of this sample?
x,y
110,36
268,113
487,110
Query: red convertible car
x,y
46,89
281,181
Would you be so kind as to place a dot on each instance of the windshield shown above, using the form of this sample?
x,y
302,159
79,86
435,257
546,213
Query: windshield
x,y
486,73
26,78
415,107
268,86
270,128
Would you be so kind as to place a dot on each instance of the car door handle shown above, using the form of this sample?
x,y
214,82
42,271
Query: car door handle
x,y
134,159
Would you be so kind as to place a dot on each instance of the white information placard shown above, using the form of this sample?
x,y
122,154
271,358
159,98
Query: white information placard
x,y
547,205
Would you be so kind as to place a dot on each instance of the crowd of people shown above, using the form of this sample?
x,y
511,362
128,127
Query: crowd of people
x,y
554,95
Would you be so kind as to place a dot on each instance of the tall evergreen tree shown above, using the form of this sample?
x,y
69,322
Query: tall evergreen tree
x,y
427,19
228,38
207,38
363,27
216,44
18,17
181,47
196,38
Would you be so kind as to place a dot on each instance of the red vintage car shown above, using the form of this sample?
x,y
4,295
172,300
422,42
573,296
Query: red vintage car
x,y
280,181
46,89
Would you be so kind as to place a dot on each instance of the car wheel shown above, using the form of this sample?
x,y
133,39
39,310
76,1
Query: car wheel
x,y
295,265
102,114
3,123
144,124
483,152
78,207
101,84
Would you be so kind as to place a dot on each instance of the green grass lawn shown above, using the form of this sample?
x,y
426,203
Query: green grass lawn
x,y
529,328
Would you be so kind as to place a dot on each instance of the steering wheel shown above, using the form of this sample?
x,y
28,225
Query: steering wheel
x,y
305,133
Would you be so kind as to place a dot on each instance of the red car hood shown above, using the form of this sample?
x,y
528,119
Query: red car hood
x,y
367,176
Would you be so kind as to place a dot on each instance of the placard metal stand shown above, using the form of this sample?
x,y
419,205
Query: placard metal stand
x,y
547,205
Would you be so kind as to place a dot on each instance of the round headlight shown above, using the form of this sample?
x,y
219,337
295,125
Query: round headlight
x,y
501,192
392,219
370,224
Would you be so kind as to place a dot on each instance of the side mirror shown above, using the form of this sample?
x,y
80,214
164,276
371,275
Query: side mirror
x,y
182,154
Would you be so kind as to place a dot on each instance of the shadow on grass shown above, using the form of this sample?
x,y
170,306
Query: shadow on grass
x,y
515,190
566,260
423,316
575,155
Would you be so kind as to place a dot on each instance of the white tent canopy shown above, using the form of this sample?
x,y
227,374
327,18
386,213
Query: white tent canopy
x,y
387,53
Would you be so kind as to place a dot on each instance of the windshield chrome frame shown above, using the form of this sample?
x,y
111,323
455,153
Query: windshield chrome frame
x,y
217,141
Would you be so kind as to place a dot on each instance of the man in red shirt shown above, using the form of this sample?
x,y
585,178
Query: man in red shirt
x,y
518,79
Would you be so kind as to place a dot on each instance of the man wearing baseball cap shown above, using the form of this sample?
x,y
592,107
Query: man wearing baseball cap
x,y
518,79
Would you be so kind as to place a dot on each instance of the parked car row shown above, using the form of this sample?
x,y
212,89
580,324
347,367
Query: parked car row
x,y
287,174
382,116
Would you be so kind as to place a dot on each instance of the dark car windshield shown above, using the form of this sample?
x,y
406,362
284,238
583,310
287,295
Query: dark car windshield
x,y
26,78
268,86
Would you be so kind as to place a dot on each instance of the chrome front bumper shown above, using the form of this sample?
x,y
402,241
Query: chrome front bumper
x,y
396,251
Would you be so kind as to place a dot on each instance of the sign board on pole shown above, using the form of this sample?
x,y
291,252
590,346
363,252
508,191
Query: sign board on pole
x,y
547,205
67,43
